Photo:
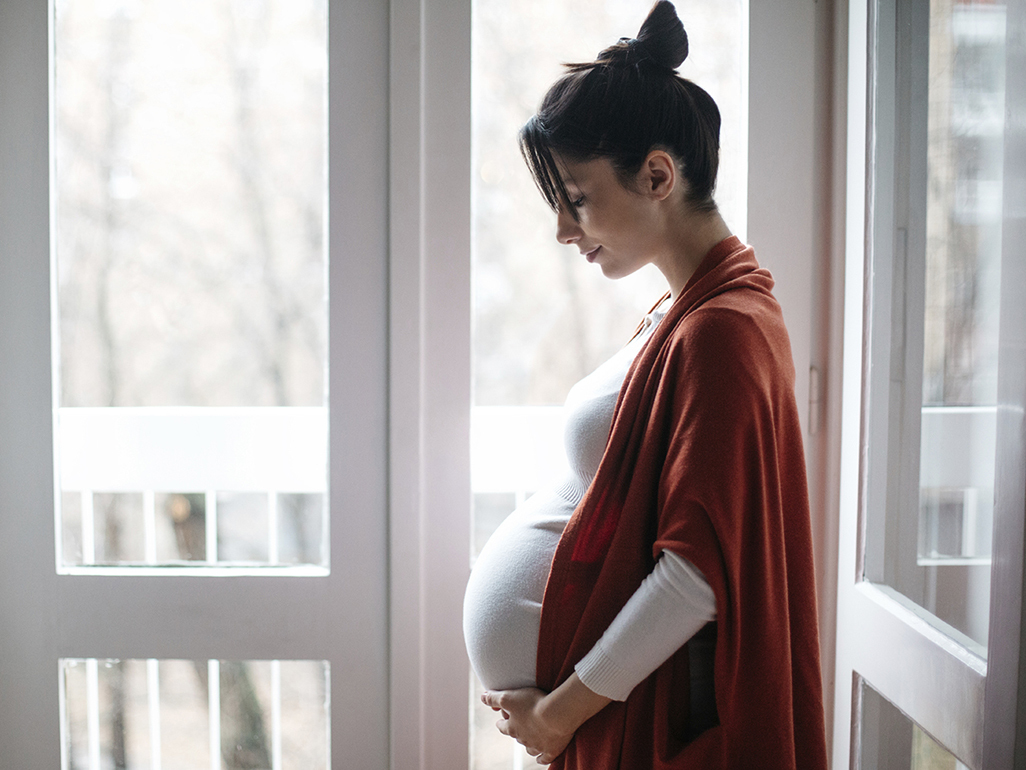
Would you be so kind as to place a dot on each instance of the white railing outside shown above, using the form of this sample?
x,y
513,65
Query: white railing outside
x,y
276,451
94,755
128,449
272,450
957,458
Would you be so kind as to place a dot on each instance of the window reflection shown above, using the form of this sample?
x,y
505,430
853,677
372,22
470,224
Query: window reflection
x,y
891,741
963,250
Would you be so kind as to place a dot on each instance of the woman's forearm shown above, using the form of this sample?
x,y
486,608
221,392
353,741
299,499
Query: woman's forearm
x,y
571,705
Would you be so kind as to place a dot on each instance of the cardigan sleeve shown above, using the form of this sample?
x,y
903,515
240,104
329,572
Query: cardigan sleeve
x,y
672,604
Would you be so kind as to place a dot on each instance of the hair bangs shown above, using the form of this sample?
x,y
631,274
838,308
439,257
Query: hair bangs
x,y
536,149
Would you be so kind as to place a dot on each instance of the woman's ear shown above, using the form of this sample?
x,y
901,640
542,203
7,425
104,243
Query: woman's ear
x,y
659,174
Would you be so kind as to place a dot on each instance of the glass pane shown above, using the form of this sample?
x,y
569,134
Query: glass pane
x,y
118,528
489,511
242,527
939,129
136,714
301,524
542,317
181,527
891,741
963,262
190,269
183,718
71,535
305,712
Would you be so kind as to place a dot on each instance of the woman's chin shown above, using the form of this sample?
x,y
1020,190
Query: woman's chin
x,y
615,272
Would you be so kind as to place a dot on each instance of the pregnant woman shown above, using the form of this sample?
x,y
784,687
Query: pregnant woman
x,y
657,608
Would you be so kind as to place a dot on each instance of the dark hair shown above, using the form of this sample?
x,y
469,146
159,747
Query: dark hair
x,y
621,106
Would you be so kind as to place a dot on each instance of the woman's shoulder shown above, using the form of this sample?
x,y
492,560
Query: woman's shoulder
x,y
740,317
734,337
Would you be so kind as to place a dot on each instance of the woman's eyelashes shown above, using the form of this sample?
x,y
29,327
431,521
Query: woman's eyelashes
x,y
577,202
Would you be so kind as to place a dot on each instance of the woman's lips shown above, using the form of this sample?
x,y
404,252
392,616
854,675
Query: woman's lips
x,y
590,255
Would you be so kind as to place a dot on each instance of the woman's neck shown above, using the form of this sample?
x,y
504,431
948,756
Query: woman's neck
x,y
692,237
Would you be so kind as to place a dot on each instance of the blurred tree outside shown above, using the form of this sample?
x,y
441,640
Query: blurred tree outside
x,y
190,156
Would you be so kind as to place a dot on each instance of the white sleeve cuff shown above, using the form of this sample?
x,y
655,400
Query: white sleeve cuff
x,y
669,607
602,675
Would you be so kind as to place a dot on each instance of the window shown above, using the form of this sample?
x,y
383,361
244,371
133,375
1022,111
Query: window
x,y
190,263
927,581
156,597
398,235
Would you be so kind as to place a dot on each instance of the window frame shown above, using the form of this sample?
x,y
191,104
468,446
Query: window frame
x,y
341,617
967,703
403,694
429,400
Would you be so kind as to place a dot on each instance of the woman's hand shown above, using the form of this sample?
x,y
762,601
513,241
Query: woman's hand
x,y
523,719
545,723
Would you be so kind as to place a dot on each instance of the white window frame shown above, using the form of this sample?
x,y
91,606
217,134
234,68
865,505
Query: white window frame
x,y
341,617
970,705
429,357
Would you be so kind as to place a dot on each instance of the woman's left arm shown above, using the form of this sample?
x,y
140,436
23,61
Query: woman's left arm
x,y
545,723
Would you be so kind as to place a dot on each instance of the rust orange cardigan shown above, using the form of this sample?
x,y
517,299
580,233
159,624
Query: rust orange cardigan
x,y
704,458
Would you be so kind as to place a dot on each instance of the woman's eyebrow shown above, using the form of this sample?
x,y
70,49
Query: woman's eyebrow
x,y
571,184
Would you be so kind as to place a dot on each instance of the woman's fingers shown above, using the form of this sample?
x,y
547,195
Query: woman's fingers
x,y
494,701
521,721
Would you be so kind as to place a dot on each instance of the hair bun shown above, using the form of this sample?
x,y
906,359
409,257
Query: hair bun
x,y
662,36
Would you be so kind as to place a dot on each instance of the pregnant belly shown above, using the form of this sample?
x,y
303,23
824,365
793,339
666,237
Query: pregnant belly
x,y
502,606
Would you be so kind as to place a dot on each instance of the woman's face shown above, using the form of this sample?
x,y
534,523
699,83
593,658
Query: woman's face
x,y
618,229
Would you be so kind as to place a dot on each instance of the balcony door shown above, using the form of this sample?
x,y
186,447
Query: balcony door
x,y
932,494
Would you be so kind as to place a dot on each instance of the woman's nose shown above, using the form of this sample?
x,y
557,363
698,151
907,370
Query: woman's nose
x,y
567,230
